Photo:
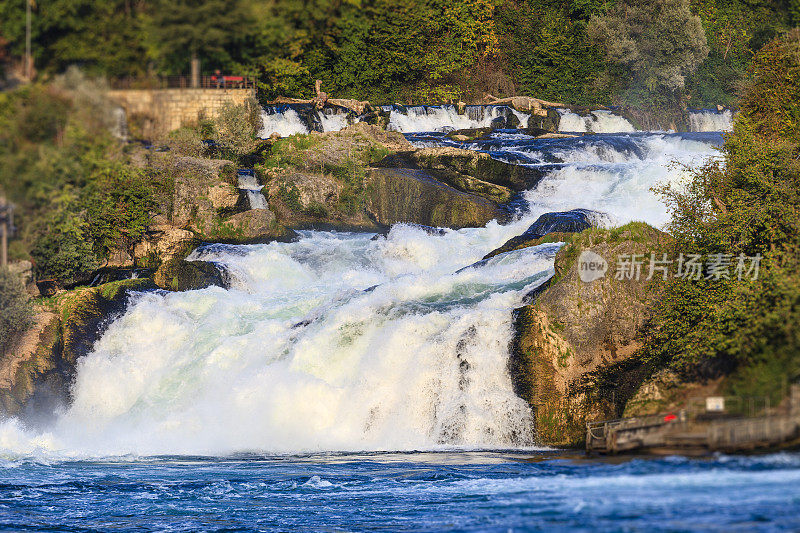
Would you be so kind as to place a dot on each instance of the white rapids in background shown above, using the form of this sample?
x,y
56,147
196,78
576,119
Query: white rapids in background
x,y
608,180
600,121
340,341
285,123
708,120
446,118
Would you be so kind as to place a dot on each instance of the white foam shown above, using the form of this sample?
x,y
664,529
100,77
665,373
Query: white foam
x,y
338,341
600,121
285,123
707,120
621,187
446,118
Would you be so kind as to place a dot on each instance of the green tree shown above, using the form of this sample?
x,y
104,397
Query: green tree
x,y
118,202
99,35
747,204
549,53
62,249
200,30
659,42
15,311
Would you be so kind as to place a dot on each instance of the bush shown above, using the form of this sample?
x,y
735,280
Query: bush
x,y
659,42
15,310
62,249
238,126
748,330
118,201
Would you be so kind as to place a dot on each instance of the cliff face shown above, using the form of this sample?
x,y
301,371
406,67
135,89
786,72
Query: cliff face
x,y
365,178
576,327
407,195
37,370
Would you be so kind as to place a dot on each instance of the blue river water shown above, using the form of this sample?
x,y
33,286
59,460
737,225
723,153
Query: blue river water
x,y
434,491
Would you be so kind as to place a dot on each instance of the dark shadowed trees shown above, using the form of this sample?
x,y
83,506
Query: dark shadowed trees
x,y
659,42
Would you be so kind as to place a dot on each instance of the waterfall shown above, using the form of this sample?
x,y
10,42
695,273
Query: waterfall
x,y
711,120
248,182
600,121
291,119
287,120
284,121
119,124
341,341
333,119
446,118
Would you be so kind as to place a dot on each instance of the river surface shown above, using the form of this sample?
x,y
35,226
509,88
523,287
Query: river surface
x,y
454,491
299,397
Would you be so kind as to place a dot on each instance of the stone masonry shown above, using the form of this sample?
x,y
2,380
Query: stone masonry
x,y
160,111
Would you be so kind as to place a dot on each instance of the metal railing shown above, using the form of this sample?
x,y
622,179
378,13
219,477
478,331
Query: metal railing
x,y
725,423
224,81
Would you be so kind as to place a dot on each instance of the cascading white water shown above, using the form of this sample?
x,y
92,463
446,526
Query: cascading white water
x,y
446,118
600,121
333,121
284,122
708,120
341,341
618,181
249,183
119,124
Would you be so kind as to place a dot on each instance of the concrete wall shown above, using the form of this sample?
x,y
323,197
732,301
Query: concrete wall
x,y
154,112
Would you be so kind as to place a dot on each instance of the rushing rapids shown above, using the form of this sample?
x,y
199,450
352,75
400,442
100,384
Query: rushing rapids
x,y
288,120
711,120
600,121
350,341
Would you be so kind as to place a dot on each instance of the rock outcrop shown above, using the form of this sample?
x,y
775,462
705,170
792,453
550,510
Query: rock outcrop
x,y
255,225
408,195
560,224
445,162
36,372
575,327
181,275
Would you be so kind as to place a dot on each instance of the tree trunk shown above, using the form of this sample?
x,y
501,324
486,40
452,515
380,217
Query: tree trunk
x,y
195,70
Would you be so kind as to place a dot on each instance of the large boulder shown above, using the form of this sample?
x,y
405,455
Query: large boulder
x,y
304,199
202,192
442,162
560,224
37,371
414,196
162,241
223,196
575,327
182,275
256,225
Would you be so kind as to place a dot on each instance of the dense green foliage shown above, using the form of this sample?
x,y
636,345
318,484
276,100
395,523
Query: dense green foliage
x,y
549,53
84,199
206,28
657,42
15,311
747,204
78,198
416,50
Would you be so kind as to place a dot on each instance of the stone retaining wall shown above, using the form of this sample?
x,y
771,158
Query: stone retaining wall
x,y
154,112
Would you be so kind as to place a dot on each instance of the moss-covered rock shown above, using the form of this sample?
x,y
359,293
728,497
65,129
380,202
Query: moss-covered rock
x,y
182,275
557,227
574,328
442,162
36,373
256,225
407,195
29,361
